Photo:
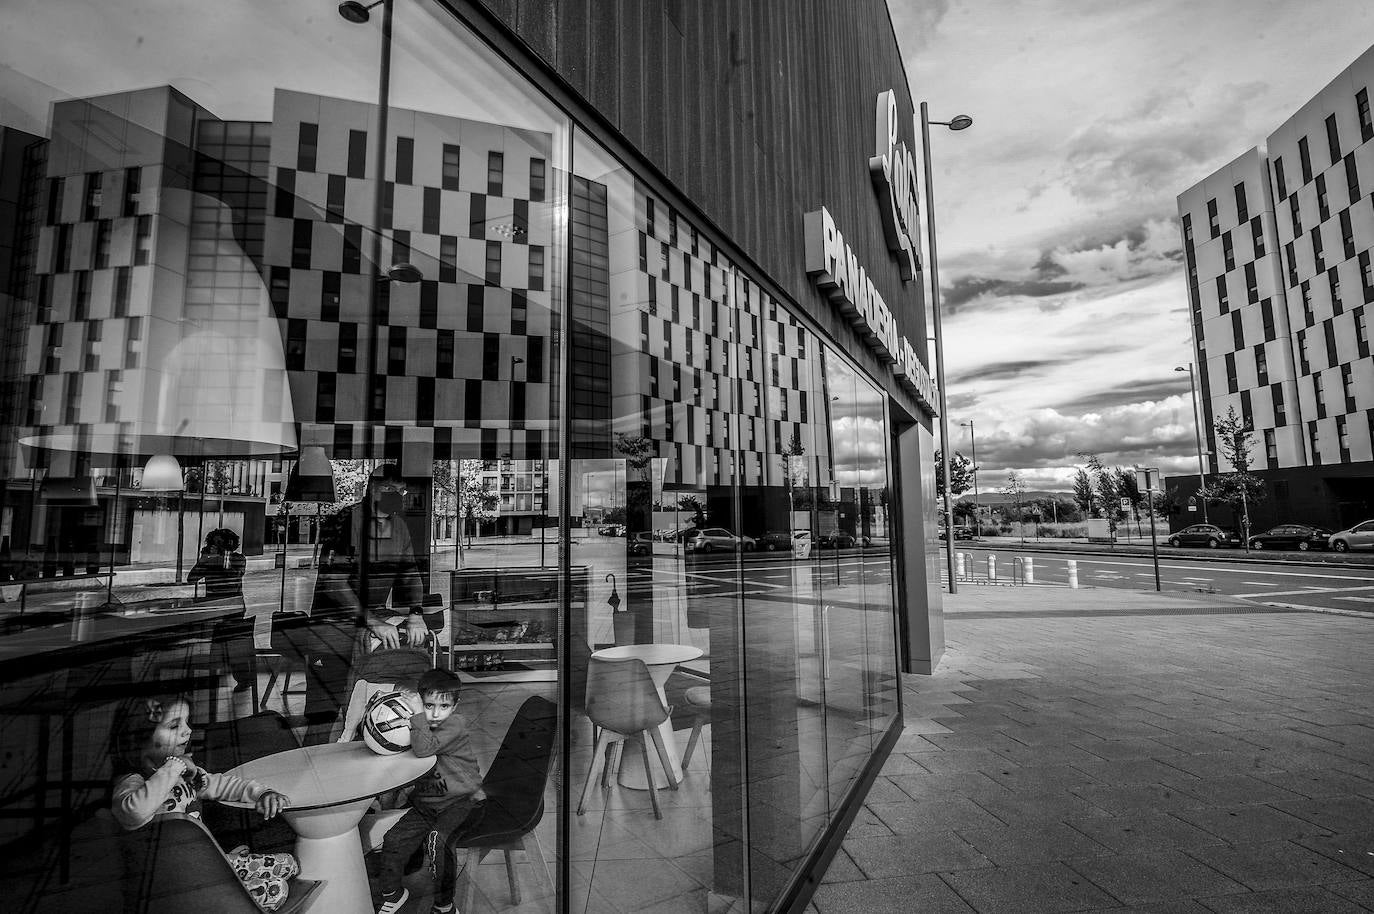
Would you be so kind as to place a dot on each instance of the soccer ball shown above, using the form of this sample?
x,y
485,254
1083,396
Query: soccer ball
x,y
386,723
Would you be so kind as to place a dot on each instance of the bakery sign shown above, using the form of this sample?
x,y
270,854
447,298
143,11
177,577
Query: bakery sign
x,y
837,272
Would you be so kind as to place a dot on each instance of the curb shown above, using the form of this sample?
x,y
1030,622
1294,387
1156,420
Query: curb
x,y
1133,551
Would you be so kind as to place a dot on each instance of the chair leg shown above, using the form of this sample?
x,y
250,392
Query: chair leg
x,y
663,758
271,684
467,872
649,776
691,744
535,855
510,877
598,752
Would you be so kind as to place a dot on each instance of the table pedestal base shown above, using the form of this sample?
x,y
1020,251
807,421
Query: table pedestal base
x,y
329,849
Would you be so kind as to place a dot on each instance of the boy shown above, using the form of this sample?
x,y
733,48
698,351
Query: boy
x,y
449,790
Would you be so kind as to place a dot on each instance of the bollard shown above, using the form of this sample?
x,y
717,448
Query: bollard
x,y
1030,569
992,568
1073,574
959,565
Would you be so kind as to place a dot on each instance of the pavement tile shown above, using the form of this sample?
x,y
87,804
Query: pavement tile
x,y
1040,807
913,817
1141,832
927,894
1173,906
1134,747
1273,865
1352,849
905,855
1206,764
928,786
1035,778
1319,783
1250,824
959,760
842,868
1009,845
867,825
1154,876
1047,888
1237,790
1338,814
1361,892
1121,772
1310,900
1126,799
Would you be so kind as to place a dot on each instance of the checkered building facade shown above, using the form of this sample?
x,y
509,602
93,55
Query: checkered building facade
x,y
1278,247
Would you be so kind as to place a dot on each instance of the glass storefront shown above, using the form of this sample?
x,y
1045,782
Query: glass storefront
x,y
351,356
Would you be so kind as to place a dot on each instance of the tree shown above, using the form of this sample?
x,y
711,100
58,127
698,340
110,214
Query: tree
x,y
1016,489
476,503
1240,488
1127,488
1083,492
960,473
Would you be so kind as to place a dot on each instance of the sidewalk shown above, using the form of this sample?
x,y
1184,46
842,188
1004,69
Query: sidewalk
x,y
1137,547
1107,750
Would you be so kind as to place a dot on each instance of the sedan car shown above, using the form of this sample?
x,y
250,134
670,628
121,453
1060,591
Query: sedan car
x,y
640,544
837,540
1209,535
774,540
717,539
1291,536
1360,536
961,532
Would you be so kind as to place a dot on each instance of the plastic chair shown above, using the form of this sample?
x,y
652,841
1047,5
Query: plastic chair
x,y
174,865
623,703
230,744
514,788
697,700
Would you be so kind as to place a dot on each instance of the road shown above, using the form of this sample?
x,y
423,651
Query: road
x,y
1339,588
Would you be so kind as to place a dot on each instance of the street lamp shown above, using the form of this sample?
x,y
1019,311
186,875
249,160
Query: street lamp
x,y
959,122
510,444
1197,434
973,448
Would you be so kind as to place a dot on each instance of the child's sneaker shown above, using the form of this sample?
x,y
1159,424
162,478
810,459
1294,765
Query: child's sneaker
x,y
393,902
449,908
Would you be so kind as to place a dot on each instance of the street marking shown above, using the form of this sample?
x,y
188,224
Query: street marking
x,y
1203,580
1083,560
1359,599
1261,583
1309,592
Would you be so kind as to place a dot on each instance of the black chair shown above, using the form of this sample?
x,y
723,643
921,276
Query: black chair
x,y
230,744
514,786
173,866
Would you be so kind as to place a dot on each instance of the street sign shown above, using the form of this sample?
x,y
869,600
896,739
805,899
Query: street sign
x,y
1147,479
1125,504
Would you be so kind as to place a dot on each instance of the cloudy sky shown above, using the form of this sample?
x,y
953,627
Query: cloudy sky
x,y
1060,260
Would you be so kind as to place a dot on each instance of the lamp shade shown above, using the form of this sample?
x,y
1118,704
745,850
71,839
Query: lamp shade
x,y
312,478
162,473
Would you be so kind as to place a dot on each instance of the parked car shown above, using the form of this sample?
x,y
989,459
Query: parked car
x,y
640,543
1209,535
1360,536
1291,536
611,530
774,540
717,539
961,532
838,540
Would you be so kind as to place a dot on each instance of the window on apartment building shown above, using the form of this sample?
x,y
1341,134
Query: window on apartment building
x,y
326,392
452,156
1280,408
1223,299
1305,160
1279,179
1333,279
448,258
405,160
348,348
1343,438
1232,382
1347,235
295,344
1228,251
104,231
492,270
400,246
1271,446
62,247
357,153
1261,364
133,186
1305,296
307,147
55,190
95,182
1362,109
1361,329
1333,139
1317,251
396,351
122,285
1303,366
537,180
1291,256
143,241
1348,385
1314,442
302,234
1237,330
331,284
1257,235
1242,209
1323,200
81,295
1213,224
429,213
1187,229
496,174
1295,215
1267,317
1319,395
334,199
536,267
352,261
1251,284
1366,277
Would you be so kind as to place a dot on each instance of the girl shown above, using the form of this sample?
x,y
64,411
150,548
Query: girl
x,y
154,776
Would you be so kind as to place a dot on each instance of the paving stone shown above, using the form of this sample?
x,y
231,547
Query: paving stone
x,y
1250,824
1127,799
906,855
1361,892
1039,778
1319,783
1236,790
959,760
1154,876
1311,900
1273,865
1143,832
1009,845
1338,814
1046,888
913,817
842,868
1355,849
1121,772
1173,906
927,894
1135,747
1039,808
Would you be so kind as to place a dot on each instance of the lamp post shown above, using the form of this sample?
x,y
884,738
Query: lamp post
x,y
1197,434
959,122
973,449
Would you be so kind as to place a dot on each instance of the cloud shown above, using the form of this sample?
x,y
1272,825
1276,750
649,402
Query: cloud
x,y
916,24
1001,371
968,288
1134,391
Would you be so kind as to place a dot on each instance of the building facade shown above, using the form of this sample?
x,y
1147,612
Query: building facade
x,y
1277,247
514,279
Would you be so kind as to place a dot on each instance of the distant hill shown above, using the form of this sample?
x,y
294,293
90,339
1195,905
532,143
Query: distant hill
x,y
997,498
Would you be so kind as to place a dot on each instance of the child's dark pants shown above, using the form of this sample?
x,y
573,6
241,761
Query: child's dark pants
x,y
406,836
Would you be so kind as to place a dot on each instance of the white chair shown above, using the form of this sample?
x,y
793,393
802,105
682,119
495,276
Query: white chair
x,y
623,703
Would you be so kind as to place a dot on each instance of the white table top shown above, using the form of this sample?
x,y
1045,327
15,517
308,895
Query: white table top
x,y
333,773
651,654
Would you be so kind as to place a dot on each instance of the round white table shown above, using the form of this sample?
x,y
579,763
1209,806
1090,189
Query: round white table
x,y
661,659
330,786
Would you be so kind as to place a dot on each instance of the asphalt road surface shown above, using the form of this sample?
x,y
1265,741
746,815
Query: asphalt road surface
x,y
1339,588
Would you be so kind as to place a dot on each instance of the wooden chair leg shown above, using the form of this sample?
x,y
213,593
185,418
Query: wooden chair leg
x,y
691,745
535,855
510,876
649,776
468,873
598,752
663,758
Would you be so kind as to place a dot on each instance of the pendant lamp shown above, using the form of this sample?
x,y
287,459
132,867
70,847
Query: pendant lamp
x,y
162,473
312,478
